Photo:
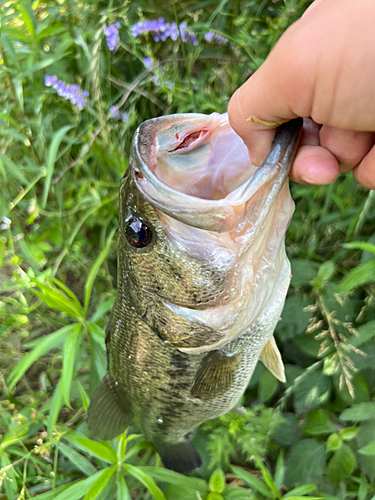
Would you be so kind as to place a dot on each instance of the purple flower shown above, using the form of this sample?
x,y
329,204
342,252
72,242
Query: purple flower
x,y
71,92
147,61
160,31
50,80
212,37
112,36
116,115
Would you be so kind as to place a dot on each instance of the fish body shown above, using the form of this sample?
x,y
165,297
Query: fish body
x,y
203,276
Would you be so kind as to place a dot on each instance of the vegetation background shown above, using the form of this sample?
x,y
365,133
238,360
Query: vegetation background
x,y
60,168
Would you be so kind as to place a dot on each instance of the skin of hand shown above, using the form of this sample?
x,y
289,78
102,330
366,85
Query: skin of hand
x,y
322,69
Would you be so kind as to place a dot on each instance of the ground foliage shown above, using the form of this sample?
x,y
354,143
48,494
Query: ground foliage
x,y
60,169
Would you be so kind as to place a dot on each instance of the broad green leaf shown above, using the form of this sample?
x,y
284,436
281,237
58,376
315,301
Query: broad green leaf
x,y
100,483
366,332
217,481
317,422
77,459
334,442
306,463
360,275
360,412
51,159
70,348
267,386
341,464
368,449
253,482
94,271
214,496
146,480
45,345
101,450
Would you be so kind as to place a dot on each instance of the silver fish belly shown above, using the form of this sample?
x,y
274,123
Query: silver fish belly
x,y
203,277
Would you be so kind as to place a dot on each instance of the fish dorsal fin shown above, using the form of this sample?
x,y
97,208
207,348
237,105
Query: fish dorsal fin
x,y
215,375
271,358
108,414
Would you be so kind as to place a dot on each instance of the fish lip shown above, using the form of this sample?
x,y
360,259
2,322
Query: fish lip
x,y
216,215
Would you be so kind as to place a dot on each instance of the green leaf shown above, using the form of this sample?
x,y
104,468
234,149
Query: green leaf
x,y
70,346
341,464
334,442
268,479
236,493
168,476
253,482
360,412
361,245
100,483
364,273
77,459
267,386
51,159
217,481
101,450
45,344
368,449
279,470
123,492
306,463
58,300
146,480
78,488
214,496
55,407
84,396
317,422
366,332
12,169
300,491
94,271
27,16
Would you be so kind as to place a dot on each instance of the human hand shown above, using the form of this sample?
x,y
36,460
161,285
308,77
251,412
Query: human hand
x,y
322,69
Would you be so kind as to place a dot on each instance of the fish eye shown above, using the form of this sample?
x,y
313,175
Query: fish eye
x,y
138,234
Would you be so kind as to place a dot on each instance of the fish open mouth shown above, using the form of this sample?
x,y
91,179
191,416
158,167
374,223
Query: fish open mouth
x,y
196,169
205,159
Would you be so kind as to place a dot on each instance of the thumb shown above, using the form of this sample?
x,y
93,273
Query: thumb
x,y
266,100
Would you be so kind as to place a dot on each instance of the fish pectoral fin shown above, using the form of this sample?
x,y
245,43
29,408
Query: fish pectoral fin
x,y
271,358
180,457
108,414
215,375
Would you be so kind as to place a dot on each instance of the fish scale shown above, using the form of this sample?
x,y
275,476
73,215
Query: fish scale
x,y
202,281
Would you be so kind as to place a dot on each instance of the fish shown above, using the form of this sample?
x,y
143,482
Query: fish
x,y
202,280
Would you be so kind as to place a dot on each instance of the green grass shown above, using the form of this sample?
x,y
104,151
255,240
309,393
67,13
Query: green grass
x,y
60,170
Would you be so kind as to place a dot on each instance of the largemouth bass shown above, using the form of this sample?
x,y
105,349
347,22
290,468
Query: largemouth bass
x,y
203,276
